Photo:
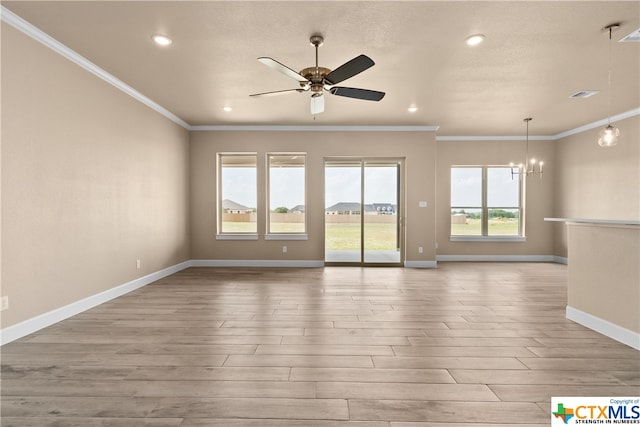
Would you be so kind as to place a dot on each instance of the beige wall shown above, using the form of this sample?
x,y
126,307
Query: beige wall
x,y
92,180
597,183
604,274
417,147
539,195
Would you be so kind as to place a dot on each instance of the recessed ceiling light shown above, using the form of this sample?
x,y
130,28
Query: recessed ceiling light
x,y
412,109
227,109
474,40
161,40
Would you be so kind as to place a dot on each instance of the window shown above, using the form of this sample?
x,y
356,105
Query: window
x,y
237,195
286,196
485,201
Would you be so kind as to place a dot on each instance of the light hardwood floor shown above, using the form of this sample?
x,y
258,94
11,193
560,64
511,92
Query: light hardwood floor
x,y
466,344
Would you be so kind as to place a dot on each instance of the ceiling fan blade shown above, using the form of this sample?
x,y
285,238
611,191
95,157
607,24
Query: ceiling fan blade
x,y
352,92
317,104
270,62
277,92
349,69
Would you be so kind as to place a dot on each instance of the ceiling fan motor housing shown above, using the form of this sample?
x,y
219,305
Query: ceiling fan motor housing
x,y
316,76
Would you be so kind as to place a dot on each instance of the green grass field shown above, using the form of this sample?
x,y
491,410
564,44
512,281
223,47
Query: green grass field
x,y
497,227
287,227
239,227
345,236
250,227
338,236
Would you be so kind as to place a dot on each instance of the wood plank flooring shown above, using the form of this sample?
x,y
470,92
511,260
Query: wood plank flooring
x,y
466,344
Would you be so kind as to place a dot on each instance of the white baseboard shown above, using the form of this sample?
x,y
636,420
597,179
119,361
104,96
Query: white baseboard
x,y
497,258
420,264
255,263
611,330
561,260
22,329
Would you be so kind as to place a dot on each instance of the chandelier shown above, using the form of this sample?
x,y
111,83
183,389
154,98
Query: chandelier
x,y
530,166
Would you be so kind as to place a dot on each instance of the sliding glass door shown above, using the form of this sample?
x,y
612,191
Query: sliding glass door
x,y
363,212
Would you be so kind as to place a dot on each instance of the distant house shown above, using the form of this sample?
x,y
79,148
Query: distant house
x,y
353,208
385,208
229,206
350,208
459,218
297,209
344,208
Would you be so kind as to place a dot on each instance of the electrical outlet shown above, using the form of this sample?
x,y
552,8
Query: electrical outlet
x,y
4,303
420,249
284,249
138,264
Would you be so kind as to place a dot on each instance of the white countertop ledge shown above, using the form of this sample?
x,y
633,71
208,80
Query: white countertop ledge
x,y
596,221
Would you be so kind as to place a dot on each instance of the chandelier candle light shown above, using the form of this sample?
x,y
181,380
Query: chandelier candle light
x,y
529,166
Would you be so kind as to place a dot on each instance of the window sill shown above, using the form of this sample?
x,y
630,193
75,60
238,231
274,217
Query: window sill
x,y
236,237
487,239
286,237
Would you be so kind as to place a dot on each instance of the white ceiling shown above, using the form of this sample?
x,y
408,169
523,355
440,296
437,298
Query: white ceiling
x,y
535,55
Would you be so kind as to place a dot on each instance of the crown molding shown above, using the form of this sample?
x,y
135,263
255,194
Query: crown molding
x,y
599,123
40,36
495,138
310,128
579,129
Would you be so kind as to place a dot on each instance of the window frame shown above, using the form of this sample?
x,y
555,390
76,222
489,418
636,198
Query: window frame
x,y
281,235
236,235
484,209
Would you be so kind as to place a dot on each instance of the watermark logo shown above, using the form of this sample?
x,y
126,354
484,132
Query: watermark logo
x,y
565,414
595,410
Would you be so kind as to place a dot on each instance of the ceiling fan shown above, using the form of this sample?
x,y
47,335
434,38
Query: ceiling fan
x,y
320,79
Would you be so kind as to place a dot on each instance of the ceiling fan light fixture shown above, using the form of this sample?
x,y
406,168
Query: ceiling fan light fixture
x,y
474,40
161,40
317,103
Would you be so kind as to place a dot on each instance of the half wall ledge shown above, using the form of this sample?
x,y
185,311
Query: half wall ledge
x,y
603,276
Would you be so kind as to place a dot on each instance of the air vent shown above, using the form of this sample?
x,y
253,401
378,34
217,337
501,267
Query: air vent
x,y
584,94
633,37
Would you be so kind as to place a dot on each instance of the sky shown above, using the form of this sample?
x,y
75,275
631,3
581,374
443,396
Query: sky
x,y
466,187
287,185
239,185
342,184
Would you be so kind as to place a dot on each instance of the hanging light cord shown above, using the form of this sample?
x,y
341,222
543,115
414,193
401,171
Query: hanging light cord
x,y
609,81
526,158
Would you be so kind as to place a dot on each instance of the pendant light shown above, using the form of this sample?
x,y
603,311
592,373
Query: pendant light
x,y
529,165
608,136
